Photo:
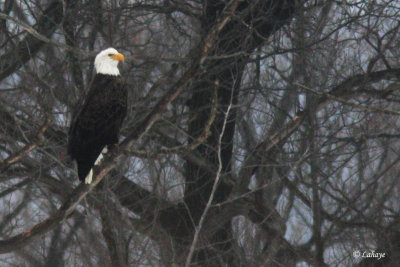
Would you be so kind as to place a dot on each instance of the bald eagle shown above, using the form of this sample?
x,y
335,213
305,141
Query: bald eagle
x,y
97,123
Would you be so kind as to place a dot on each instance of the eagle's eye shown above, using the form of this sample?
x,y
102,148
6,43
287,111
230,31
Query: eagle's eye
x,y
110,55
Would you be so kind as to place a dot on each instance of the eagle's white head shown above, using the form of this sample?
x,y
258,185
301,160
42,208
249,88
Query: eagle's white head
x,y
106,62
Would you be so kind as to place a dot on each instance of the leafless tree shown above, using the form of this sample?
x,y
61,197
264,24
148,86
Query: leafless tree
x,y
259,133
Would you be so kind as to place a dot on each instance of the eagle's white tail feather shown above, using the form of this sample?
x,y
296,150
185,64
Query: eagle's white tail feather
x,y
99,159
89,177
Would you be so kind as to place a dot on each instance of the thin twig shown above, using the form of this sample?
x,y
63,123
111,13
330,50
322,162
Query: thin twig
x,y
344,101
12,159
185,148
29,29
214,188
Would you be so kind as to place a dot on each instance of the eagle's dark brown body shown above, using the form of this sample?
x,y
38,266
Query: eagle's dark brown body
x,y
98,122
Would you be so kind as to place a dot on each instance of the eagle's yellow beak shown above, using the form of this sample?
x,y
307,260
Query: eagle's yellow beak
x,y
119,57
